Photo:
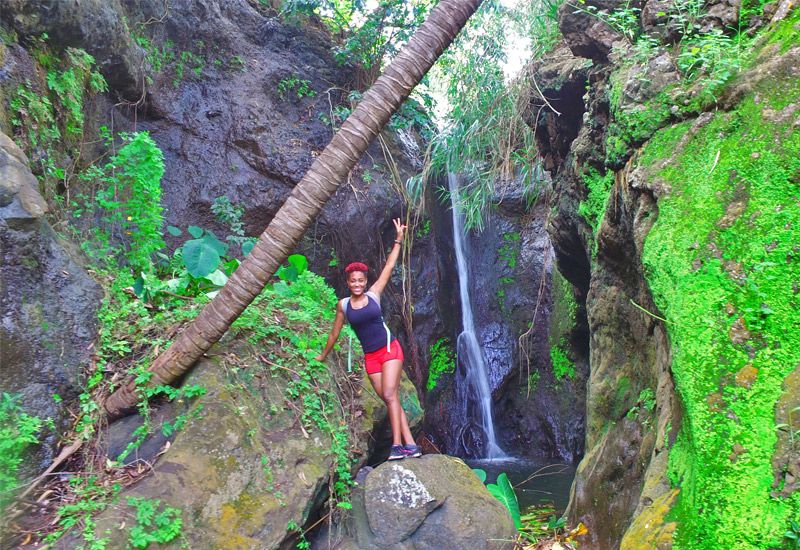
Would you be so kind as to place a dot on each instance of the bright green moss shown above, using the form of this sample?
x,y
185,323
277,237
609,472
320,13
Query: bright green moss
x,y
720,259
594,207
787,32
562,366
633,126
443,361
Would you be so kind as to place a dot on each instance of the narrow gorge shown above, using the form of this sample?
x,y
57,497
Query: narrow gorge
x,y
597,295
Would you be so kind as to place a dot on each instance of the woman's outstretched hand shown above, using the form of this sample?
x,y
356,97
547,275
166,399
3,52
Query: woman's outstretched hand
x,y
401,229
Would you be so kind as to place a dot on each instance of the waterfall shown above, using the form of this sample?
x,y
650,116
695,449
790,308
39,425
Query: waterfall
x,y
472,389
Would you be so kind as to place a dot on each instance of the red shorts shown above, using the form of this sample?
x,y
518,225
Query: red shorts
x,y
376,359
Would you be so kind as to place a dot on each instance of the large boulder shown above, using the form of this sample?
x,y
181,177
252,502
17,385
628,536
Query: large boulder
x,y
435,502
244,468
48,304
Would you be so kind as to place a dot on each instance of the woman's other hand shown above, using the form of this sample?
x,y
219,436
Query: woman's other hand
x,y
401,229
319,358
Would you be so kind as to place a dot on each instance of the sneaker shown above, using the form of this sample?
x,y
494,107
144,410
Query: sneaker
x,y
397,453
412,451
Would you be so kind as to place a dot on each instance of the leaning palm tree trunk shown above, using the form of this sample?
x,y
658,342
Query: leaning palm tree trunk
x,y
307,198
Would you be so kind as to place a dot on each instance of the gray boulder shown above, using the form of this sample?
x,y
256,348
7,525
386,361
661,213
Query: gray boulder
x,y
434,502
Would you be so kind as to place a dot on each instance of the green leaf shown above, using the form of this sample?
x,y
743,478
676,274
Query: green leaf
x,y
211,240
230,266
481,474
200,257
247,247
195,231
504,492
138,286
555,524
299,262
174,231
218,278
287,273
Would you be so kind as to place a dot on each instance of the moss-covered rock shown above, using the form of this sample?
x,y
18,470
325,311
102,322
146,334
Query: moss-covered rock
x,y
651,529
726,283
245,466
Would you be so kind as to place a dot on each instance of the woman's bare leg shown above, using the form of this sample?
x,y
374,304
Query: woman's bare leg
x,y
390,381
405,431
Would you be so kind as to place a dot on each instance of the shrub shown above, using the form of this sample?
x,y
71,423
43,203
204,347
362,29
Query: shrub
x,y
18,430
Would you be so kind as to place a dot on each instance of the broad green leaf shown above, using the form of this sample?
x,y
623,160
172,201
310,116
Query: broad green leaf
x,y
195,231
504,492
174,231
287,273
138,286
481,474
230,266
299,262
218,278
200,257
247,247
212,240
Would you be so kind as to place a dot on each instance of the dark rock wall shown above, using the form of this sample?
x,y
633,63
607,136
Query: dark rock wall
x,y
628,349
214,107
510,263
48,304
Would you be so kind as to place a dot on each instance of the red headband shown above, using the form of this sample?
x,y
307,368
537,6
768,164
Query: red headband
x,y
356,266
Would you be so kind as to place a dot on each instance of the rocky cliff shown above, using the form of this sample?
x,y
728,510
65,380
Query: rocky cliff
x,y
683,326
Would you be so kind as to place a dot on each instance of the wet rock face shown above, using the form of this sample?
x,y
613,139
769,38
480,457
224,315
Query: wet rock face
x,y
98,26
513,305
510,281
48,304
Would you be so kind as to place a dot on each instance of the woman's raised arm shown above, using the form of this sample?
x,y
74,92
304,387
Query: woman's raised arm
x,y
391,261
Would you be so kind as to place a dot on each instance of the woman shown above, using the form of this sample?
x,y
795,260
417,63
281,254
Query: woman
x,y
382,352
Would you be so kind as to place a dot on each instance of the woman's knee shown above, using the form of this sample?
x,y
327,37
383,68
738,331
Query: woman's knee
x,y
389,394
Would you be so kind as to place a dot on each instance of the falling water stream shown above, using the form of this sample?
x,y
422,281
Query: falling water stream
x,y
473,393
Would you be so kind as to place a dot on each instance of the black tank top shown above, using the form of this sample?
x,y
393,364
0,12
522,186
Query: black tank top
x,y
367,322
